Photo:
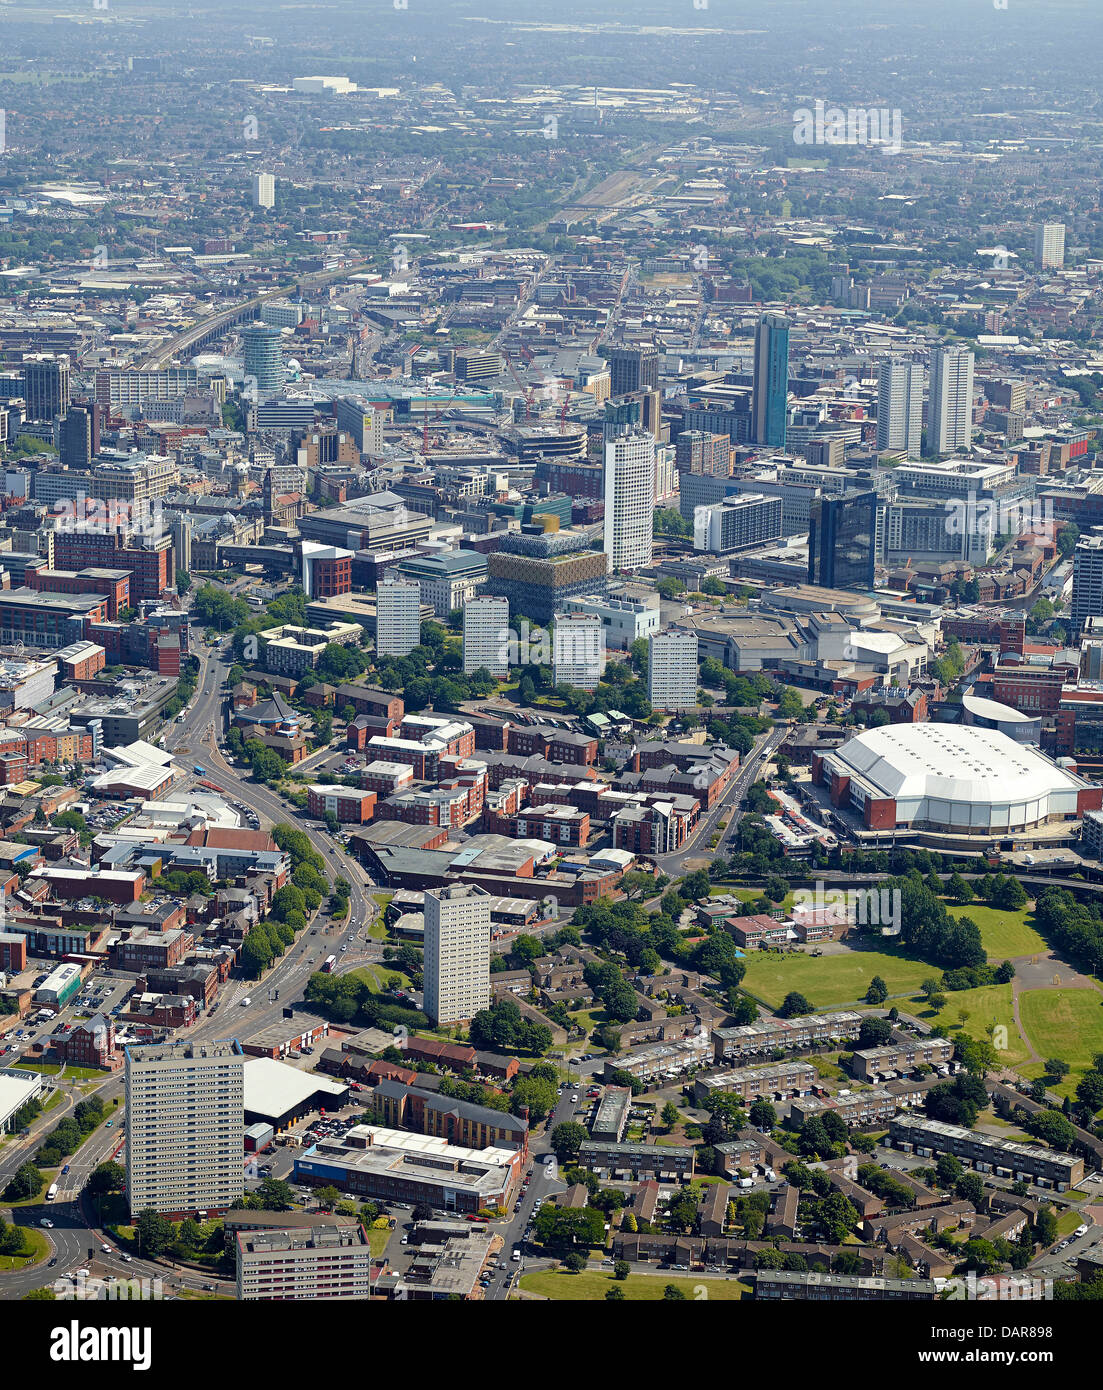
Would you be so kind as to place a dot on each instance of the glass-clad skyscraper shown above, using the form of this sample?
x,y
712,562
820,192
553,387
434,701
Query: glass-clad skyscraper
x,y
841,541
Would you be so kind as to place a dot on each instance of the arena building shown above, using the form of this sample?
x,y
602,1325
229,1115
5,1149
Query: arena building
x,y
951,779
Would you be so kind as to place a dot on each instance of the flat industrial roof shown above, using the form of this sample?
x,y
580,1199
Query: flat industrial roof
x,y
16,1090
272,1088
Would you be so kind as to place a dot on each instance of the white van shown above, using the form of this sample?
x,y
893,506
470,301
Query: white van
x,y
246,1002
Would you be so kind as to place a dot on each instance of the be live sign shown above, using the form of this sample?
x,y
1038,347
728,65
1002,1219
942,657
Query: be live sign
x,y
75,1343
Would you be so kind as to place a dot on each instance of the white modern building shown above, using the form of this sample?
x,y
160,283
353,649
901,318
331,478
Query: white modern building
x,y
750,518
578,650
951,779
1049,246
900,408
672,669
185,1116
397,616
629,499
950,412
625,620
457,952
264,191
486,634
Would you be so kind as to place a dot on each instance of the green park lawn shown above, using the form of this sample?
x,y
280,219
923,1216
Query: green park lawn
x,y
830,981
591,1285
1065,1023
377,1240
374,975
991,1004
377,928
1004,934
71,1073
1068,1221
37,1248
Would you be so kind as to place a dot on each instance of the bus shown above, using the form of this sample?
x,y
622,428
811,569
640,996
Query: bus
x,y
329,963
51,1195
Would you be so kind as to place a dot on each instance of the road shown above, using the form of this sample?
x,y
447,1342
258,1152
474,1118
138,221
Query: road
x,y
728,806
71,1236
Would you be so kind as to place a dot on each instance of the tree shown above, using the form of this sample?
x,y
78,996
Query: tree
x,y
27,1182
874,1032
1089,1090
958,888
621,1269
575,1261
106,1177
790,705
794,1005
567,1139
539,1095
762,1115
153,1232
614,1295
670,1116
877,992
1010,895
1045,1226
673,1294
276,1195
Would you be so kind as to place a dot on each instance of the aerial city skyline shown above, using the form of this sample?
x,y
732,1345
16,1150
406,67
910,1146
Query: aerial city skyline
x,y
551,665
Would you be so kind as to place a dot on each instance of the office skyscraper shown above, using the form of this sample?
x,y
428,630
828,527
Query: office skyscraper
x,y
397,616
950,411
1087,581
263,356
185,1115
771,380
632,369
486,636
672,669
1049,246
457,952
629,498
46,386
900,408
842,537
264,191
80,436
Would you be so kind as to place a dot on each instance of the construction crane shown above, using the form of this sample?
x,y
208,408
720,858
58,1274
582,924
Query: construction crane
x,y
526,391
563,412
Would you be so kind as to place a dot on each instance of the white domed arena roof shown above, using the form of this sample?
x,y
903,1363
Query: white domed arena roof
x,y
984,708
952,762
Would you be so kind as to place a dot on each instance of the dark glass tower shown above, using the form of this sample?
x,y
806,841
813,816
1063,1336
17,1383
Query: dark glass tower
x,y
841,541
